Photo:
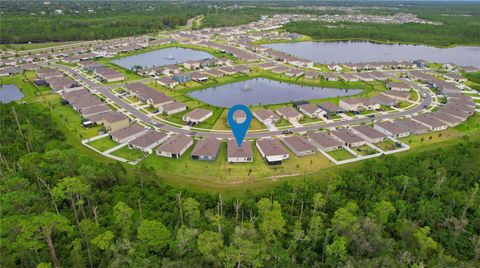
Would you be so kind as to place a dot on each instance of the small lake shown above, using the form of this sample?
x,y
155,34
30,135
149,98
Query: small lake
x,y
9,93
358,52
265,91
162,57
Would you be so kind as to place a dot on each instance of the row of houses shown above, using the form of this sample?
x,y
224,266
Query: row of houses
x,y
442,85
165,104
93,110
104,73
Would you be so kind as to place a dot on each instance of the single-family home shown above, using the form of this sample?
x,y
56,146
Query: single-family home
x,y
311,110
239,154
148,141
348,138
324,141
197,115
128,133
430,122
181,77
368,133
272,150
167,82
175,146
399,86
397,95
289,114
206,149
172,108
266,117
390,129
299,145
412,126
111,120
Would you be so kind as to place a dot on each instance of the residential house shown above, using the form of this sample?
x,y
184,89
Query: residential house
x,y
391,129
289,114
112,121
172,108
206,149
399,86
239,154
175,146
348,138
324,141
368,133
266,117
430,122
197,115
272,150
412,126
181,77
311,110
299,145
167,82
128,133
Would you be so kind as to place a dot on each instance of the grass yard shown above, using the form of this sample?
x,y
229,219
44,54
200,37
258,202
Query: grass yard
x,y
220,170
365,150
129,154
386,145
103,144
341,154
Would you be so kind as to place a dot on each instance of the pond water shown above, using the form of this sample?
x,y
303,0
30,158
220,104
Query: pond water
x,y
357,52
162,57
262,91
9,93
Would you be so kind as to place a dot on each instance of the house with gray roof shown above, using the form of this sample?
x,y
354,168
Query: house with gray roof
x,y
206,149
272,151
175,146
148,141
324,141
129,133
390,129
299,145
368,133
239,154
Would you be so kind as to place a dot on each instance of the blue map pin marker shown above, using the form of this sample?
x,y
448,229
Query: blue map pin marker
x,y
239,129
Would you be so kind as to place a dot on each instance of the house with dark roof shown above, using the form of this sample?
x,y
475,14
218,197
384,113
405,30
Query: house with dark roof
x,y
272,151
239,154
324,141
206,149
175,146
299,145
148,141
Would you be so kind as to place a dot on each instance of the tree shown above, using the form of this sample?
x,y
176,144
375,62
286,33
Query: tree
x,y
43,227
344,221
318,202
122,215
382,211
104,241
191,209
210,244
272,222
426,244
245,250
154,235
337,251
76,255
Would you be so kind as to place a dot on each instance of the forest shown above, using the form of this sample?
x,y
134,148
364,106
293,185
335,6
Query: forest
x,y
60,208
456,30
89,20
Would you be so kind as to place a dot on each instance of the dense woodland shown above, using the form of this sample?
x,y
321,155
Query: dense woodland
x,y
33,21
61,208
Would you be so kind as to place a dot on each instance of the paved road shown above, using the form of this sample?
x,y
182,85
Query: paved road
x,y
143,117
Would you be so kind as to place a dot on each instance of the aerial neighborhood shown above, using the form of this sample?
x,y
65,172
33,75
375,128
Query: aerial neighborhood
x,y
154,113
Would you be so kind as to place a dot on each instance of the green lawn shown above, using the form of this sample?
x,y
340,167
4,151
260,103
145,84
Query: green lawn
x,y
341,154
386,145
364,150
129,154
220,170
103,144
